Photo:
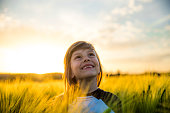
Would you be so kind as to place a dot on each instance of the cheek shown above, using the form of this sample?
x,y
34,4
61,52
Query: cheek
x,y
74,67
99,68
97,64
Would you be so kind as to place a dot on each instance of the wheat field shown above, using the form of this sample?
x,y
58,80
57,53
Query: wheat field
x,y
139,94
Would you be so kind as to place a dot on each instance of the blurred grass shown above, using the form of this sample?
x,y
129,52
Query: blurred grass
x,y
139,94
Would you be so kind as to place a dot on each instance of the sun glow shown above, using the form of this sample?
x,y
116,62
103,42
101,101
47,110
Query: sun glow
x,y
35,59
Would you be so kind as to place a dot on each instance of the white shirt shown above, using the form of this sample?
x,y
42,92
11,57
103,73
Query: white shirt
x,y
88,104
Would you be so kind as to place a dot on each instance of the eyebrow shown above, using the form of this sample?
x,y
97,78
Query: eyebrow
x,y
80,52
75,54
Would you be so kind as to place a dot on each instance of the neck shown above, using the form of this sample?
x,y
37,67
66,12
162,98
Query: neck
x,y
88,85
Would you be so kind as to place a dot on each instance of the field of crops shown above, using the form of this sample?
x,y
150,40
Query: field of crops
x,y
139,94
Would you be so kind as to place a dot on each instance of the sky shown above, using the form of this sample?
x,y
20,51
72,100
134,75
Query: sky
x,y
132,36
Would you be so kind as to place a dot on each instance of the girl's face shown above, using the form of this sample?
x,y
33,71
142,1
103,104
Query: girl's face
x,y
84,63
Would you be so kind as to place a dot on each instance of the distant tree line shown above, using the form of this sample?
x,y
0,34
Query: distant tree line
x,y
30,76
118,73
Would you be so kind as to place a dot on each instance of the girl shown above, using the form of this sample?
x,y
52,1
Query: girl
x,y
82,77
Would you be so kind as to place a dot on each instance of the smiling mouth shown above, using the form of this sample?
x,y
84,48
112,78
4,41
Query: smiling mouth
x,y
87,67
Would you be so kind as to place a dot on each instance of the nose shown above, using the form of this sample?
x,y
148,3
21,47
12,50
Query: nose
x,y
86,59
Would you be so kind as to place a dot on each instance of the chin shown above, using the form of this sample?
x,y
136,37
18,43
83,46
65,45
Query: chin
x,y
88,75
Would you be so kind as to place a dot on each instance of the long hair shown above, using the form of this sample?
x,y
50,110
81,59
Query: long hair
x,y
68,80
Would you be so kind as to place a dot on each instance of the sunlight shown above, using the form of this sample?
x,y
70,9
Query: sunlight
x,y
35,59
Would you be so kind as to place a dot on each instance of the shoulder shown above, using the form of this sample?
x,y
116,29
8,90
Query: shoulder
x,y
111,100
107,96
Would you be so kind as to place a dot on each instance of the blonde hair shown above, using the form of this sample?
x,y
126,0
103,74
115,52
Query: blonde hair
x,y
68,80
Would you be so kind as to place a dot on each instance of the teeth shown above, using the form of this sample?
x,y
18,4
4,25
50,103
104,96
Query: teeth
x,y
87,67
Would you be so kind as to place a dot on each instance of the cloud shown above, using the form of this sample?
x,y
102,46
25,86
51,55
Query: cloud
x,y
120,11
139,64
133,7
14,33
145,1
116,36
167,27
162,20
157,57
7,21
132,45
127,10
